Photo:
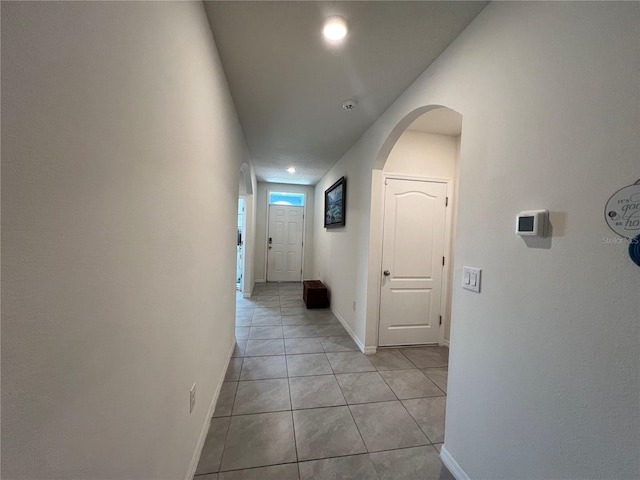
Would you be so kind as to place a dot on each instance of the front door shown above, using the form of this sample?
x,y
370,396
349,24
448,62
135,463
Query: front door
x,y
412,262
284,248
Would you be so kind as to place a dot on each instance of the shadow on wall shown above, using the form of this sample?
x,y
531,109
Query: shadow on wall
x,y
557,228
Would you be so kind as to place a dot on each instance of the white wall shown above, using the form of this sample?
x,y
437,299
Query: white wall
x,y
121,152
454,231
543,377
423,154
431,156
338,252
261,226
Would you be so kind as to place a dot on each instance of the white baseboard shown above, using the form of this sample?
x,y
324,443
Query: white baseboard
x,y
260,280
363,349
455,469
248,292
446,343
205,428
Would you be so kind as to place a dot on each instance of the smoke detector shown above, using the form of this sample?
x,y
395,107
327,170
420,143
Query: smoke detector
x,y
349,105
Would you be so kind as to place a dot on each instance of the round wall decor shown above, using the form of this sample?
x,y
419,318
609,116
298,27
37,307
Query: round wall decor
x,y
622,212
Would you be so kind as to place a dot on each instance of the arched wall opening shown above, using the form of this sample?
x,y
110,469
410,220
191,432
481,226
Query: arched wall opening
x,y
246,186
424,146
246,230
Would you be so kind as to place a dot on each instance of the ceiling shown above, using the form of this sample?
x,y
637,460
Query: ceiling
x,y
288,85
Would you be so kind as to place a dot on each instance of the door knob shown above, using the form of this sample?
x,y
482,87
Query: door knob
x,y
386,273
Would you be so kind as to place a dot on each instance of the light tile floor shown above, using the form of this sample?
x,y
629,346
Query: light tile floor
x,y
301,402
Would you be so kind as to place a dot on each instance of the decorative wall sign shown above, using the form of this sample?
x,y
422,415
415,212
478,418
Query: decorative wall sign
x,y
622,212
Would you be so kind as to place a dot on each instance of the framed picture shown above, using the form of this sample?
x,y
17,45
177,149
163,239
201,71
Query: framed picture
x,y
334,204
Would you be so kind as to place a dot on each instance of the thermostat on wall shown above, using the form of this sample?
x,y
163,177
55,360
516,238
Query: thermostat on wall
x,y
532,223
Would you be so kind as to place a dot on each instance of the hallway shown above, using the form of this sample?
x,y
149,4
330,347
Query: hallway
x,y
301,402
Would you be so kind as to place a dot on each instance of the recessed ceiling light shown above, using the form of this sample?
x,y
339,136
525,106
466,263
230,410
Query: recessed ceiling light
x,y
291,170
335,29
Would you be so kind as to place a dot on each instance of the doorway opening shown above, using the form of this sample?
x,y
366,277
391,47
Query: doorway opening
x,y
240,245
244,277
285,236
417,200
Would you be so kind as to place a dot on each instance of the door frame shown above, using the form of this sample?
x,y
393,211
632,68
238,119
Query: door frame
x,y
266,235
243,197
447,270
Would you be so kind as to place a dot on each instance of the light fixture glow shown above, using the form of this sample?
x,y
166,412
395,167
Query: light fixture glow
x,y
291,170
335,29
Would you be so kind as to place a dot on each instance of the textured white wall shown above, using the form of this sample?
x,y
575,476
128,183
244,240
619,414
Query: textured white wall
x,y
261,226
543,378
340,256
423,154
121,152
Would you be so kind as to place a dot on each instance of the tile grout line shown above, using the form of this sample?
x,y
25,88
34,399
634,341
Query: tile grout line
x,y
350,412
405,408
317,408
226,437
293,427
427,368
348,405
293,422
415,421
367,453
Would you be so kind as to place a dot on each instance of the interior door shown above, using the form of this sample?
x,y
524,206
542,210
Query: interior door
x,y
412,262
284,249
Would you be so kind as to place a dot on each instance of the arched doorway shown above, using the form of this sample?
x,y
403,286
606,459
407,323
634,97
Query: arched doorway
x,y
417,164
414,192
244,281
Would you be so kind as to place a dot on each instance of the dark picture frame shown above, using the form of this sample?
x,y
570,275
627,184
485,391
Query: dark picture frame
x,y
335,207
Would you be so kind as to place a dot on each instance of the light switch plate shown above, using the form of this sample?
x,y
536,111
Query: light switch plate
x,y
471,279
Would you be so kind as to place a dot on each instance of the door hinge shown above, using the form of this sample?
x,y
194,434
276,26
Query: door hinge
x,y
443,261
440,319
446,202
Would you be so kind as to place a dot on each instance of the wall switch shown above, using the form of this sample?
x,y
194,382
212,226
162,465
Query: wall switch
x,y
192,398
354,305
471,279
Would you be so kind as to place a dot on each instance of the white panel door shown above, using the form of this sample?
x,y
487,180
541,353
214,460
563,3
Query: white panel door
x,y
284,249
412,262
